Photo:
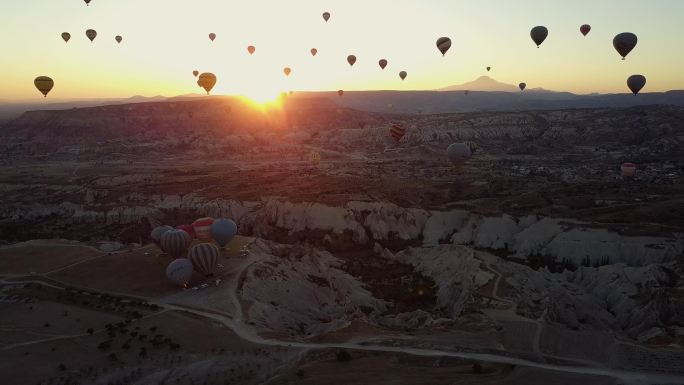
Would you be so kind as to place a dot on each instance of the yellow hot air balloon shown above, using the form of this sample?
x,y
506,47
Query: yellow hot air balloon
x,y
44,84
207,81
287,71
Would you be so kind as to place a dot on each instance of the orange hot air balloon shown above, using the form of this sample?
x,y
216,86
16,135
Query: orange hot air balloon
x,y
326,16
212,36
251,49
66,36
314,51
585,29
351,59
91,34
382,63
207,81
195,73
403,75
287,71
44,84
340,92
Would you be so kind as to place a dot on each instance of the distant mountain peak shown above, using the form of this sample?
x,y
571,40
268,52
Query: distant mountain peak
x,y
483,83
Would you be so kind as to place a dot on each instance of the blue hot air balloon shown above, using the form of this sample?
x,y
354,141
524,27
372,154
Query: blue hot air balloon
x,y
223,230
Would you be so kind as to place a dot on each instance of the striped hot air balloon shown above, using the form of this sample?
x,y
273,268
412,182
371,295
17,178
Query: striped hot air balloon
x,y
204,258
397,132
157,233
179,272
202,228
175,243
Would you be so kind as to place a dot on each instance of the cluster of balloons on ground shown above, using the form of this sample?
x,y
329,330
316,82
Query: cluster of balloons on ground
x,y
202,257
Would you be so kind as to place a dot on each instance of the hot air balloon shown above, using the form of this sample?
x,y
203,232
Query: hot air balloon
x,y
212,36
539,34
489,69
251,49
522,86
458,153
91,34
44,84
195,73
315,158
157,233
87,2
403,75
179,272
314,51
585,29
207,81
188,229
340,92
382,63
624,43
223,231
636,83
351,59
204,258
118,39
443,44
175,242
397,132
628,170
66,36
199,84
202,228
287,71
326,16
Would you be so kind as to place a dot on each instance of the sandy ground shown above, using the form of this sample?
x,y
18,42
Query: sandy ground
x,y
42,256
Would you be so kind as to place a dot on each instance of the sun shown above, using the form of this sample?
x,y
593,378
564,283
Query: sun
x,y
264,97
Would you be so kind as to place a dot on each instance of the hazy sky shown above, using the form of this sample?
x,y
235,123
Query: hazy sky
x,y
165,40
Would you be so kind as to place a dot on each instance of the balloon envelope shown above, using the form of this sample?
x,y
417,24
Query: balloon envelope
x,y
522,86
204,258
91,34
443,44
179,272
585,29
636,83
340,92
314,51
458,153
188,229
223,231
87,2
66,36
118,39
207,81
397,132
157,233
44,84
202,228
488,69
251,49
624,43
539,34
212,36
382,63
287,71
326,16
403,75
351,59
195,73
175,242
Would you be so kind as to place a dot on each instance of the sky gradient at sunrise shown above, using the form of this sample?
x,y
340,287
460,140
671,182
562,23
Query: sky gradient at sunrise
x,y
165,40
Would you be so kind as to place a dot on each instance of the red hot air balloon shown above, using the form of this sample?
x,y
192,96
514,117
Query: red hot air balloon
x,y
585,29
251,49
202,228
397,132
382,63
314,51
188,229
